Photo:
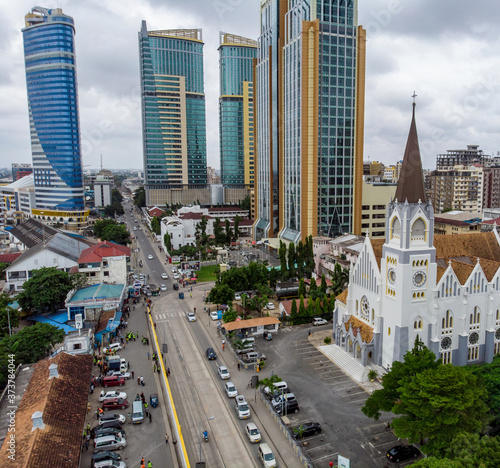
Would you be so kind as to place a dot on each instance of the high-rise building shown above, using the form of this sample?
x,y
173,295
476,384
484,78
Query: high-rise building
x,y
19,170
310,119
49,53
236,116
173,109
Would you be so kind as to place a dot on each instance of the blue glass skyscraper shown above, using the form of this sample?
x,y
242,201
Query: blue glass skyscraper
x,y
236,116
173,110
49,54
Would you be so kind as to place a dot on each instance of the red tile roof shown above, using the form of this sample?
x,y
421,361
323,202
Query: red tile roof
x,y
9,258
63,403
191,215
102,250
155,212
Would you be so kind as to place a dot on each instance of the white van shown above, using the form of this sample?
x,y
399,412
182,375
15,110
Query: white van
x,y
137,412
266,456
277,386
109,443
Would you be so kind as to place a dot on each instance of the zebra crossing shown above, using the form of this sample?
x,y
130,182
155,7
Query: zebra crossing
x,y
169,315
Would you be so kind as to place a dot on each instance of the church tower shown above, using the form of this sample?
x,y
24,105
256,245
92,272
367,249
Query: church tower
x,y
408,264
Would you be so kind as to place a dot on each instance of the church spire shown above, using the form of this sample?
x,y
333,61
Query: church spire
x,y
411,180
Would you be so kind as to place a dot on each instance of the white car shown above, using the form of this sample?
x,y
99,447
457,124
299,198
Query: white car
x,y
223,372
252,433
241,407
150,257
163,287
319,321
125,375
112,347
237,297
191,317
164,276
112,394
175,276
214,315
231,390
270,306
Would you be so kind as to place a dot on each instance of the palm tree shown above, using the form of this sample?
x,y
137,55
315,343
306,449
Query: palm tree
x,y
269,382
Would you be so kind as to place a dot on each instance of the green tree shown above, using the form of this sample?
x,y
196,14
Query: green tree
x,y
269,382
246,203
302,288
415,361
219,236
201,232
310,307
237,221
439,404
294,312
167,241
229,232
291,260
79,280
273,277
221,294
45,291
3,266
7,315
323,284
318,310
155,225
433,462
340,279
302,308
139,197
33,343
109,230
257,303
283,262
229,315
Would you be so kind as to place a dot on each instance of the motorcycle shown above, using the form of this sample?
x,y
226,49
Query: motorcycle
x,y
205,436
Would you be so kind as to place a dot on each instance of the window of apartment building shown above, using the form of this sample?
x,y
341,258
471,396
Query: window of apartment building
x,y
378,216
365,207
378,207
365,216
106,273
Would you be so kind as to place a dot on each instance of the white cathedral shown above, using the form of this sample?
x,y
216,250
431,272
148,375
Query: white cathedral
x,y
445,289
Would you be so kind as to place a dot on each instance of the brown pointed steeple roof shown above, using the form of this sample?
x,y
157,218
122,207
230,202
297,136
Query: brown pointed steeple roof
x,y
411,180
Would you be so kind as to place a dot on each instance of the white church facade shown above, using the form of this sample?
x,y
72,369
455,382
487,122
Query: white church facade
x,y
445,289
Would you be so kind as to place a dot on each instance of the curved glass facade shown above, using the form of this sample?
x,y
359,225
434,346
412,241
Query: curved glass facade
x,y
53,109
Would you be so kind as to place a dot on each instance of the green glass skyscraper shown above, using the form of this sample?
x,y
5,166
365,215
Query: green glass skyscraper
x,y
236,106
173,109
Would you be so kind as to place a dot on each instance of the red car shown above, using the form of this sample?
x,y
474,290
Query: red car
x,y
115,403
113,381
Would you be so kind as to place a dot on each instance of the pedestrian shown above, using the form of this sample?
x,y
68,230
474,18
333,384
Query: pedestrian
x,y
142,381
154,368
133,373
87,445
330,464
142,460
150,417
88,428
168,371
91,389
129,417
158,369
150,465
239,366
148,355
138,381
166,438
84,434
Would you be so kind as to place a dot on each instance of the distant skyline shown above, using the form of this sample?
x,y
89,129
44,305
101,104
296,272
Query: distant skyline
x,y
446,51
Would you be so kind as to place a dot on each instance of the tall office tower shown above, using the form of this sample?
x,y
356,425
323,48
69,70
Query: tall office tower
x,y
49,54
173,109
236,116
310,119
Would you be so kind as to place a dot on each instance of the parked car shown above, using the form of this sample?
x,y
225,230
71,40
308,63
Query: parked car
x,y
241,407
110,417
266,456
164,276
125,375
269,306
276,401
163,287
253,433
100,431
223,372
319,321
113,381
288,407
112,347
402,452
231,390
237,297
214,315
108,463
105,455
150,257
176,286
211,355
114,403
112,394
307,429
109,443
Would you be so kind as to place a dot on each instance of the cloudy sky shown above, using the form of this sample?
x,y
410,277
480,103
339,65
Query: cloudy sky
x,y
446,50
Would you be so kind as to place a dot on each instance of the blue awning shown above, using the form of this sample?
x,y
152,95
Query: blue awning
x,y
44,319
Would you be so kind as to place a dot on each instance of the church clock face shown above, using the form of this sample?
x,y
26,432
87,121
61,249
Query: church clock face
x,y
365,306
391,275
473,338
419,279
446,343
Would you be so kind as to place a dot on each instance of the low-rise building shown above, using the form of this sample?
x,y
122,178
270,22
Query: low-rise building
x,y
457,222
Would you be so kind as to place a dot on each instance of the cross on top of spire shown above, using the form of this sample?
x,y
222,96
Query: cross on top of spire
x,y
414,96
